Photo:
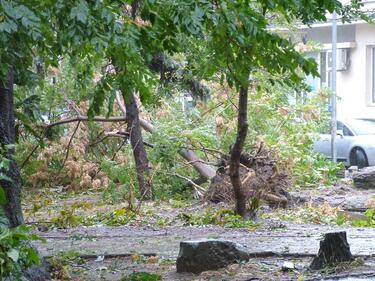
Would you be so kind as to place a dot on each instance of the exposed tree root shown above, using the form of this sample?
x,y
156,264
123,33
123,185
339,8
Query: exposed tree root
x,y
261,179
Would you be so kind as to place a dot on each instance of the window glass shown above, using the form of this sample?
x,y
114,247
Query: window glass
x,y
347,132
340,126
323,68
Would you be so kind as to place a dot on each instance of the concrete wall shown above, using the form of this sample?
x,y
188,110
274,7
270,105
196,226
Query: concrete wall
x,y
354,84
323,34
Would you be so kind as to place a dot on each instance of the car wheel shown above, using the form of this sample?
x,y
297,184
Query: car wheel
x,y
358,158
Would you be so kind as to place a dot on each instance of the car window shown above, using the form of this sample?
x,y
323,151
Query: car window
x,y
326,129
340,126
347,132
344,129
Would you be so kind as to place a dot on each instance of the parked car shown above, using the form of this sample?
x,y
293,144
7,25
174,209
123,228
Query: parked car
x,y
355,142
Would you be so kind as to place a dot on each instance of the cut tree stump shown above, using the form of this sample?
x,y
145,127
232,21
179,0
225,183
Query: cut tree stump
x,y
333,249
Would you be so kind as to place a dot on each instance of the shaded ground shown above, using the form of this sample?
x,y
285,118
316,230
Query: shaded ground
x,y
343,195
256,269
134,245
126,242
292,239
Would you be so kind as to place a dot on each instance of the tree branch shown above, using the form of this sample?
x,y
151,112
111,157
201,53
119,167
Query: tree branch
x,y
198,189
82,118
126,135
68,147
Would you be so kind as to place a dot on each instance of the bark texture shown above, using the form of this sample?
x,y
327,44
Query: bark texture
x,y
12,188
333,249
235,157
168,68
139,151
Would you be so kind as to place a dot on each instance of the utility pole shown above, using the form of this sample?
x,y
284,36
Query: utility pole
x,y
333,88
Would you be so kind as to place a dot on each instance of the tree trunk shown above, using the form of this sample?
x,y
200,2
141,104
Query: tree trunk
x,y
12,188
234,167
136,140
333,249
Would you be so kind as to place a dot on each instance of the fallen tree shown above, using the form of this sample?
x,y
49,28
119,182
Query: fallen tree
x,y
206,172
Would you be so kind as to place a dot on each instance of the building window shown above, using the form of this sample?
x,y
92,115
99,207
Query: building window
x,y
325,69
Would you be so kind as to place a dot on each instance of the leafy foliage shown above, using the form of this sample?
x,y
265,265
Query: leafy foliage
x,y
222,217
4,168
142,276
369,222
16,254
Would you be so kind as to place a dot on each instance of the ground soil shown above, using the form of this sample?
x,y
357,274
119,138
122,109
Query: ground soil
x,y
151,243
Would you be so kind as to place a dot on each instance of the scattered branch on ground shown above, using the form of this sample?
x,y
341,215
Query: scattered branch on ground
x,y
198,189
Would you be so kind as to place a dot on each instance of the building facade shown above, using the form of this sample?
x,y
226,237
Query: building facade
x,y
355,64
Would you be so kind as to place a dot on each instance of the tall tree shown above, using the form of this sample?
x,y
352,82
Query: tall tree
x,y
11,187
20,29
240,41
133,120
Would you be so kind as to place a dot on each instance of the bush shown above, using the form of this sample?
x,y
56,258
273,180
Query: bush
x,y
16,254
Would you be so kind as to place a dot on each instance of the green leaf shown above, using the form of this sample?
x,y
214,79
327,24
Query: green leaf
x,y
3,198
13,254
142,276
111,101
33,256
80,12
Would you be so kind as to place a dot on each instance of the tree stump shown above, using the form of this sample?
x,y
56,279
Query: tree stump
x,y
333,249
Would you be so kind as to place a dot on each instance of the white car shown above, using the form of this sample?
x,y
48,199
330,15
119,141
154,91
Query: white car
x,y
355,142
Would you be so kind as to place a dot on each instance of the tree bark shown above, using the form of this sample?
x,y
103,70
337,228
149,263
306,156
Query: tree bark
x,y
167,72
12,188
234,167
136,140
333,249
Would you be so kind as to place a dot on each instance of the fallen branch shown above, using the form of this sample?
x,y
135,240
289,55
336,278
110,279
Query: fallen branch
x,y
82,118
126,135
98,141
203,169
111,256
198,189
358,210
78,118
29,156
68,147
